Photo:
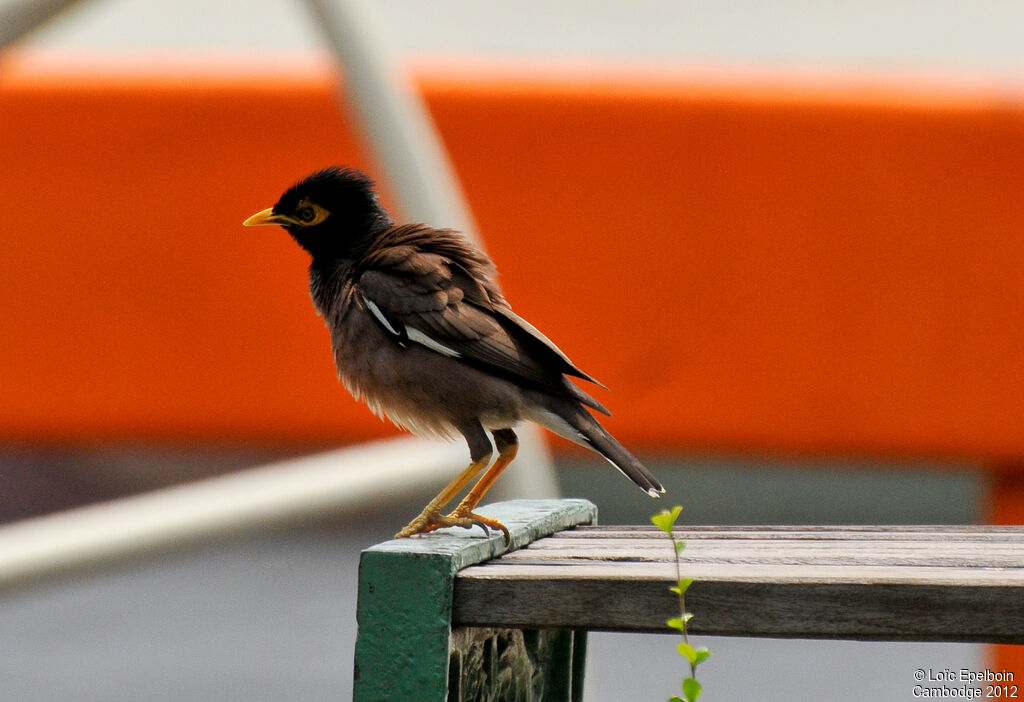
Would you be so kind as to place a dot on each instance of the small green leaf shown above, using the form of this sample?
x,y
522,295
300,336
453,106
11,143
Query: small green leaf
x,y
680,545
687,651
676,698
685,584
679,622
691,689
702,654
662,520
666,519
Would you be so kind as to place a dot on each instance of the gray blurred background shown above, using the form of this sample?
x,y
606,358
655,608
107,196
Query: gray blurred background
x,y
271,615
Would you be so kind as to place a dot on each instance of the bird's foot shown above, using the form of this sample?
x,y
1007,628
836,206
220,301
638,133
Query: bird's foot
x,y
466,518
431,521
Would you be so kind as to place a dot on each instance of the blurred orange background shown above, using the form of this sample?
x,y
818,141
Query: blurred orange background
x,y
815,267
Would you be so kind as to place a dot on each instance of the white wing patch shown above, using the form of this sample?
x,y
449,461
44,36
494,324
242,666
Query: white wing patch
x,y
421,338
375,311
410,333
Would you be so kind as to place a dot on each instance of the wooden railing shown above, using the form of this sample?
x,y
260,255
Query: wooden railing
x,y
444,615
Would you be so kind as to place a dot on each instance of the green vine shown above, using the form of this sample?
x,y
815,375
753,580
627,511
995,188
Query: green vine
x,y
666,521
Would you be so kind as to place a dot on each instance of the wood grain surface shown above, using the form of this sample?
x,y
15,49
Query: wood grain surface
x,y
928,583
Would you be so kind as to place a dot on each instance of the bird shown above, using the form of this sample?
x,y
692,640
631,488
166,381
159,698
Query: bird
x,y
422,334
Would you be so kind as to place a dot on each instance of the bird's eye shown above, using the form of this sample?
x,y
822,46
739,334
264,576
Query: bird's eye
x,y
306,214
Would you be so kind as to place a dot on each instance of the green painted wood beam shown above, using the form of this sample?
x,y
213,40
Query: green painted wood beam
x,y
405,596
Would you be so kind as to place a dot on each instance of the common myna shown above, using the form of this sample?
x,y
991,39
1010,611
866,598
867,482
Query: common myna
x,y
422,334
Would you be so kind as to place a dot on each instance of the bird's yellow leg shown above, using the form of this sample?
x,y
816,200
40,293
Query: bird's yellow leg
x,y
465,509
431,518
472,499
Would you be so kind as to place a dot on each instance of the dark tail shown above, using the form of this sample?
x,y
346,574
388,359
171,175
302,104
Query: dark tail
x,y
579,426
617,454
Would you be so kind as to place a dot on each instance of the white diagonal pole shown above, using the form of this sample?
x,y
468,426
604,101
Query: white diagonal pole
x,y
19,17
289,492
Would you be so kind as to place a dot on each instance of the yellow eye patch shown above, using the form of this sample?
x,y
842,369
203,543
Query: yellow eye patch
x,y
308,214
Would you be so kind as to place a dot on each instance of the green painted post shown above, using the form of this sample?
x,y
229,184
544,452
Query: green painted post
x,y
405,597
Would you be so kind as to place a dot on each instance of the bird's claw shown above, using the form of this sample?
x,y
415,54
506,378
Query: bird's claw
x,y
484,523
428,522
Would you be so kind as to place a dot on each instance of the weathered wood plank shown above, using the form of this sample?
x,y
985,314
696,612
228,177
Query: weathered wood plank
x,y
767,551
861,545
816,528
793,574
829,533
910,583
729,608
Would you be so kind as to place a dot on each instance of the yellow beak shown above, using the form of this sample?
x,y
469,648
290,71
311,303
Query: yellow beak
x,y
265,218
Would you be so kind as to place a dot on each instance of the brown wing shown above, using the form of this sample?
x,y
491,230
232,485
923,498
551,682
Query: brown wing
x,y
428,299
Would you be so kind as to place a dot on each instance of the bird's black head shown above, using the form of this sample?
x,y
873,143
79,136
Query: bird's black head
x,y
330,213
